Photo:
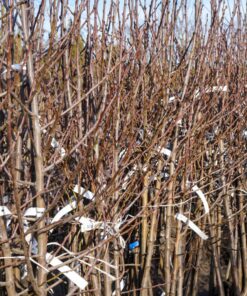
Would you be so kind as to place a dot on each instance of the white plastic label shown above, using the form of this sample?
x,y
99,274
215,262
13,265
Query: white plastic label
x,y
192,225
202,197
34,212
80,190
67,271
65,210
4,211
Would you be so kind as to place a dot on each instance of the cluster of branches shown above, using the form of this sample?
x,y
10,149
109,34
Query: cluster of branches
x,y
116,118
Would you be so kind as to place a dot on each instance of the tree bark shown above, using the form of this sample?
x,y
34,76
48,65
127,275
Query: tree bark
x,y
37,147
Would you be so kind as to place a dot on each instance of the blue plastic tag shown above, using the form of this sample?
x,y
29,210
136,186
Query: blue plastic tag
x,y
134,245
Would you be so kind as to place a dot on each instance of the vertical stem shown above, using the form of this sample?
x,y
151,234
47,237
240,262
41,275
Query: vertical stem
x,y
176,260
7,261
199,256
169,217
37,146
107,283
181,248
146,285
144,225
9,271
230,224
216,259
243,241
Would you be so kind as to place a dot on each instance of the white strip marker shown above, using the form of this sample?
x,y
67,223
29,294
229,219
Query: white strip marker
x,y
34,212
171,99
4,211
192,225
16,67
208,90
31,212
202,197
88,224
122,284
166,152
80,190
67,271
56,145
65,210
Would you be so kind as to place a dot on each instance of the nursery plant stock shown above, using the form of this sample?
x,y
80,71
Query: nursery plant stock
x,y
123,148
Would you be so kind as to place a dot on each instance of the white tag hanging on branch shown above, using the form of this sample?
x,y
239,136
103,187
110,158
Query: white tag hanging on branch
x,y
165,151
34,212
4,211
192,225
56,145
85,193
122,284
208,90
65,210
16,68
201,195
88,224
31,212
67,271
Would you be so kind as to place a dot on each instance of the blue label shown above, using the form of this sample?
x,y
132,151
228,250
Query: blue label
x,y
134,245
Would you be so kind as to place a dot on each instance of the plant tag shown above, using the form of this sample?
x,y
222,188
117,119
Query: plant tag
x,y
4,211
67,271
192,225
202,197
80,190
